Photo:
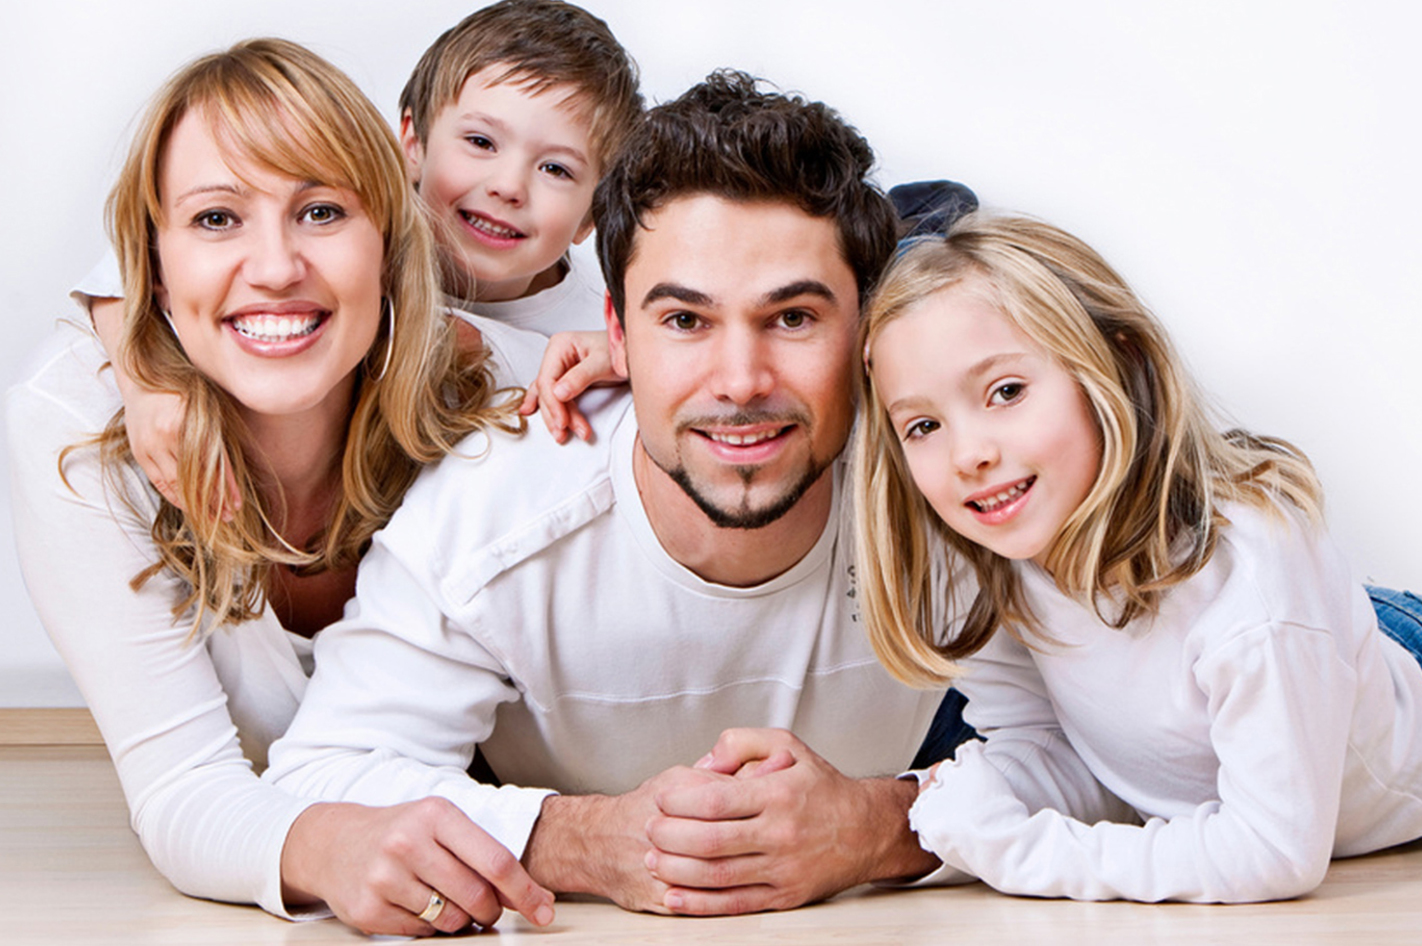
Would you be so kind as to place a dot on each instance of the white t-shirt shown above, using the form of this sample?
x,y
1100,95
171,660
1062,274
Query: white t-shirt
x,y
1261,724
186,722
521,602
574,304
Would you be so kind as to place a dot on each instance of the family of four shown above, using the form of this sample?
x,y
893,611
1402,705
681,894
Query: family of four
x,y
695,660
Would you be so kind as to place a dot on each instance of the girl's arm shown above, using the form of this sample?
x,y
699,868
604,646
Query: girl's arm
x,y
1279,702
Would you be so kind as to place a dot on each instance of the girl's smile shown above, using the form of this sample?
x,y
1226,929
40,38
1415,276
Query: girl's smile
x,y
998,435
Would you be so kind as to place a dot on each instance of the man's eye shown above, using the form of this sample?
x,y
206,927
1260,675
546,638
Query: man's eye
x,y
686,321
794,318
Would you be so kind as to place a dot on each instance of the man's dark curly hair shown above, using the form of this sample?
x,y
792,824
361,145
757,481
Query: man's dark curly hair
x,y
727,138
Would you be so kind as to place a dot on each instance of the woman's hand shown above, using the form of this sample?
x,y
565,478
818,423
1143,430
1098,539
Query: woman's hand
x,y
376,868
572,363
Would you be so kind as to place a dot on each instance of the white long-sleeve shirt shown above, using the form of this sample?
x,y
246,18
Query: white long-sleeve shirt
x,y
1259,725
186,722
521,602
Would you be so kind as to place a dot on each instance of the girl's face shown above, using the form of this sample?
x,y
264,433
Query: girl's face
x,y
998,436
272,283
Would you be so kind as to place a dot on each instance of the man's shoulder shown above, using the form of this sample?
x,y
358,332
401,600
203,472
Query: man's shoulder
x,y
500,498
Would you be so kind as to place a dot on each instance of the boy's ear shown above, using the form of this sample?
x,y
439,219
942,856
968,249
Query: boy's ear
x,y
414,149
584,229
616,337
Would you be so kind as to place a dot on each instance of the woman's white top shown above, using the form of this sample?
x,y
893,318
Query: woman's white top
x,y
187,721
1259,725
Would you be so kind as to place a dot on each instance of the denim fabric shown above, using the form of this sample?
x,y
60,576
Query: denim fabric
x,y
947,732
1399,617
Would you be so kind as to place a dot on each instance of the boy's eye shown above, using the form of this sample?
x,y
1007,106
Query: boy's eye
x,y
556,170
322,213
1007,393
480,142
215,220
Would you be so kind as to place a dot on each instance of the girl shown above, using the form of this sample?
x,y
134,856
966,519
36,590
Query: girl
x,y
279,274
1151,610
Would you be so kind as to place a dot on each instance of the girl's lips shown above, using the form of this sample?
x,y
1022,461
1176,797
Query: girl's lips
x,y
1001,503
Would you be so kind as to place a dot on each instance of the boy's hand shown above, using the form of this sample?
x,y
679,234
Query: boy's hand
x,y
572,363
154,419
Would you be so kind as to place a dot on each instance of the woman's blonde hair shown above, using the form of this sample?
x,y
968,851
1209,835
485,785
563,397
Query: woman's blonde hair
x,y
283,108
1152,517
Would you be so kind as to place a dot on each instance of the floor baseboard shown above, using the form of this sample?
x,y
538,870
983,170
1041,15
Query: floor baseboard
x,y
26,726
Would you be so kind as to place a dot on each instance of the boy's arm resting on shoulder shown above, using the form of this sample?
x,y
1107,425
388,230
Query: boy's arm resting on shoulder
x,y
398,702
572,363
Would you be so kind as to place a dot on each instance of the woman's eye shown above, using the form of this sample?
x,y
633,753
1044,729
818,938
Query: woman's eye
x,y
214,220
1007,393
322,213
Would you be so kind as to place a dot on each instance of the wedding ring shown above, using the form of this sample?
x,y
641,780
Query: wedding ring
x,y
434,909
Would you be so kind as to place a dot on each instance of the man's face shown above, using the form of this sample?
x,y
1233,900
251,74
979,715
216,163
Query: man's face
x,y
739,339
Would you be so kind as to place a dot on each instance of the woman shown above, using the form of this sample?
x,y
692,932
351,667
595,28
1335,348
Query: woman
x,y
279,276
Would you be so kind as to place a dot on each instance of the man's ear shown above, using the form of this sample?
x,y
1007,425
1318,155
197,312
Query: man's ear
x,y
616,337
414,149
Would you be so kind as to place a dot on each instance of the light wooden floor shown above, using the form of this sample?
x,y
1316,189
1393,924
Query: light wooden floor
x,y
72,872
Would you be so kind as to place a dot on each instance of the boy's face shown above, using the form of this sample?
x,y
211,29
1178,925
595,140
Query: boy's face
x,y
509,177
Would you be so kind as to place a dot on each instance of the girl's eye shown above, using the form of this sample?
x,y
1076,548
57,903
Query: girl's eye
x,y
215,220
322,213
1007,393
920,428
556,170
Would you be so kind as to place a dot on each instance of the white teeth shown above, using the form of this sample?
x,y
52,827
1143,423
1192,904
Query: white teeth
x,y
275,328
1006,496
744,440
489,227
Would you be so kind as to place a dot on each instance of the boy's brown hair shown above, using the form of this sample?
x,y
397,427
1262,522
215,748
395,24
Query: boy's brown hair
x,y
543,43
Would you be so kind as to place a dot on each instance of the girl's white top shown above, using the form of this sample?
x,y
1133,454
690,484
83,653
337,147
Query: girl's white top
x,y
1259,725
188,722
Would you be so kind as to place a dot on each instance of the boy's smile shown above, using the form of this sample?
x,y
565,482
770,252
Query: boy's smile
x,y
508,175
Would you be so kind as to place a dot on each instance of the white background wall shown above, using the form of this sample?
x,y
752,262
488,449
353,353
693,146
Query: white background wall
x,y
1251,166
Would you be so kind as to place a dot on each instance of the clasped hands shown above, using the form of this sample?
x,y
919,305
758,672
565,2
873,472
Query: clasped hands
x,y
760,823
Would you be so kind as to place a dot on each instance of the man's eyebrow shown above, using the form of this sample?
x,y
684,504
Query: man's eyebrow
x,y
671,290
804,287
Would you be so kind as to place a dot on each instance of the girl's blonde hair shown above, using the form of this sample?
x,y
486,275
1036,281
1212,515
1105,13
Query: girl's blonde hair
x,y
1150,520
286,109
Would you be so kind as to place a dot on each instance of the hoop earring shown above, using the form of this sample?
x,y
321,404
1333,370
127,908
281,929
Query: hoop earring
x,y
387,309
169,319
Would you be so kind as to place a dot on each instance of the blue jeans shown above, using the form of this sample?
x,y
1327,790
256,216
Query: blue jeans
x,y
1399,617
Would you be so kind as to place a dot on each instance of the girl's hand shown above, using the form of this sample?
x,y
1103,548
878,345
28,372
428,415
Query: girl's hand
x,y
154,420
572,363
377,867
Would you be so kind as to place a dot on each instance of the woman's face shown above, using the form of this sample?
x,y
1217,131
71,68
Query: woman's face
x,y
272,283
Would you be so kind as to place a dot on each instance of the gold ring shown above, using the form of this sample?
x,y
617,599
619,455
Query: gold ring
x,y
434,909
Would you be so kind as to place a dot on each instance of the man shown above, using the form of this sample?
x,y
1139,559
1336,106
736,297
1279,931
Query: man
x,y
593,616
